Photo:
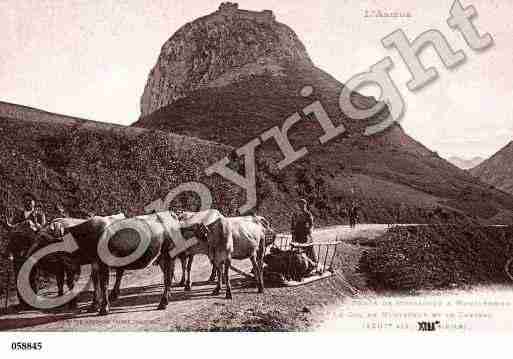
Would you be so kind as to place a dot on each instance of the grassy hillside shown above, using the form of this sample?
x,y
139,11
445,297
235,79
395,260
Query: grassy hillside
x,y
98,168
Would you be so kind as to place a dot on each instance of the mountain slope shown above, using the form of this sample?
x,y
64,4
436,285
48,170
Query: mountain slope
x,y
385,172
498,169
393,176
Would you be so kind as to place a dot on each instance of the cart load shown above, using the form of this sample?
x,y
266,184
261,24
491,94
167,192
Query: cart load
x,y
289,263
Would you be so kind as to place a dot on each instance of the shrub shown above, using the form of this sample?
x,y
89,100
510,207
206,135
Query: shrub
x,y
438,256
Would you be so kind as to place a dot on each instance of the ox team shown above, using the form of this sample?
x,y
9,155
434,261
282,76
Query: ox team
x,y
221,238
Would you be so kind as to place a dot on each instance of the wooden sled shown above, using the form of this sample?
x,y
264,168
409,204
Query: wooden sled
x,y
307,280
326,252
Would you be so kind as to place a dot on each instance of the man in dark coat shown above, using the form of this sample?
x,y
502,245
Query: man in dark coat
x,y
353,214
302,227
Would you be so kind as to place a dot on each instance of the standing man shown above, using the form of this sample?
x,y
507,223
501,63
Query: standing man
x,y
302,226
32,214
30,217
350,214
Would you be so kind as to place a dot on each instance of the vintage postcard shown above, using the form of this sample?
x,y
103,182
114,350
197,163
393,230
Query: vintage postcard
x,y
276,166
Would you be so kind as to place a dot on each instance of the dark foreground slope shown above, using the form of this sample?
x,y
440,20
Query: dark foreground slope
x,y
438,257
395,178
498,169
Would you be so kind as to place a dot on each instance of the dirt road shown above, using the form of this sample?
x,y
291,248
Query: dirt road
x,y
136,309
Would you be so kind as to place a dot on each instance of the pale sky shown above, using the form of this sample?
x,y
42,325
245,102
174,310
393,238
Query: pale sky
x,y
91,58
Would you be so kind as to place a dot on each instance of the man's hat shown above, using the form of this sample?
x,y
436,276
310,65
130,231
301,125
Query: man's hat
x,y
302,201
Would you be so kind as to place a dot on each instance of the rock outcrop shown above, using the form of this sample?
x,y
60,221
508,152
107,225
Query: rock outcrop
x,y
217,49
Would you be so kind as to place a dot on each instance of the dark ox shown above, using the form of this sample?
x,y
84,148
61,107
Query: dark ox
x,y
124,242
22,242
189,224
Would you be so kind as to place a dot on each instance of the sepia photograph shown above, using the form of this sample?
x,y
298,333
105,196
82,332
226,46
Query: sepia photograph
x,y
320,168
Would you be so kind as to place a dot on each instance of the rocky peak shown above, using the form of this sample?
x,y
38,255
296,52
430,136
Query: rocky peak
x,y
218,49
228,9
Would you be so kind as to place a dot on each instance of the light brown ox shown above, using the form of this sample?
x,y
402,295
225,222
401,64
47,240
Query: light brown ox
x,y
238,238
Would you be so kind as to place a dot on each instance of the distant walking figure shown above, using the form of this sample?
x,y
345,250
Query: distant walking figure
x,y
302,226
353,214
